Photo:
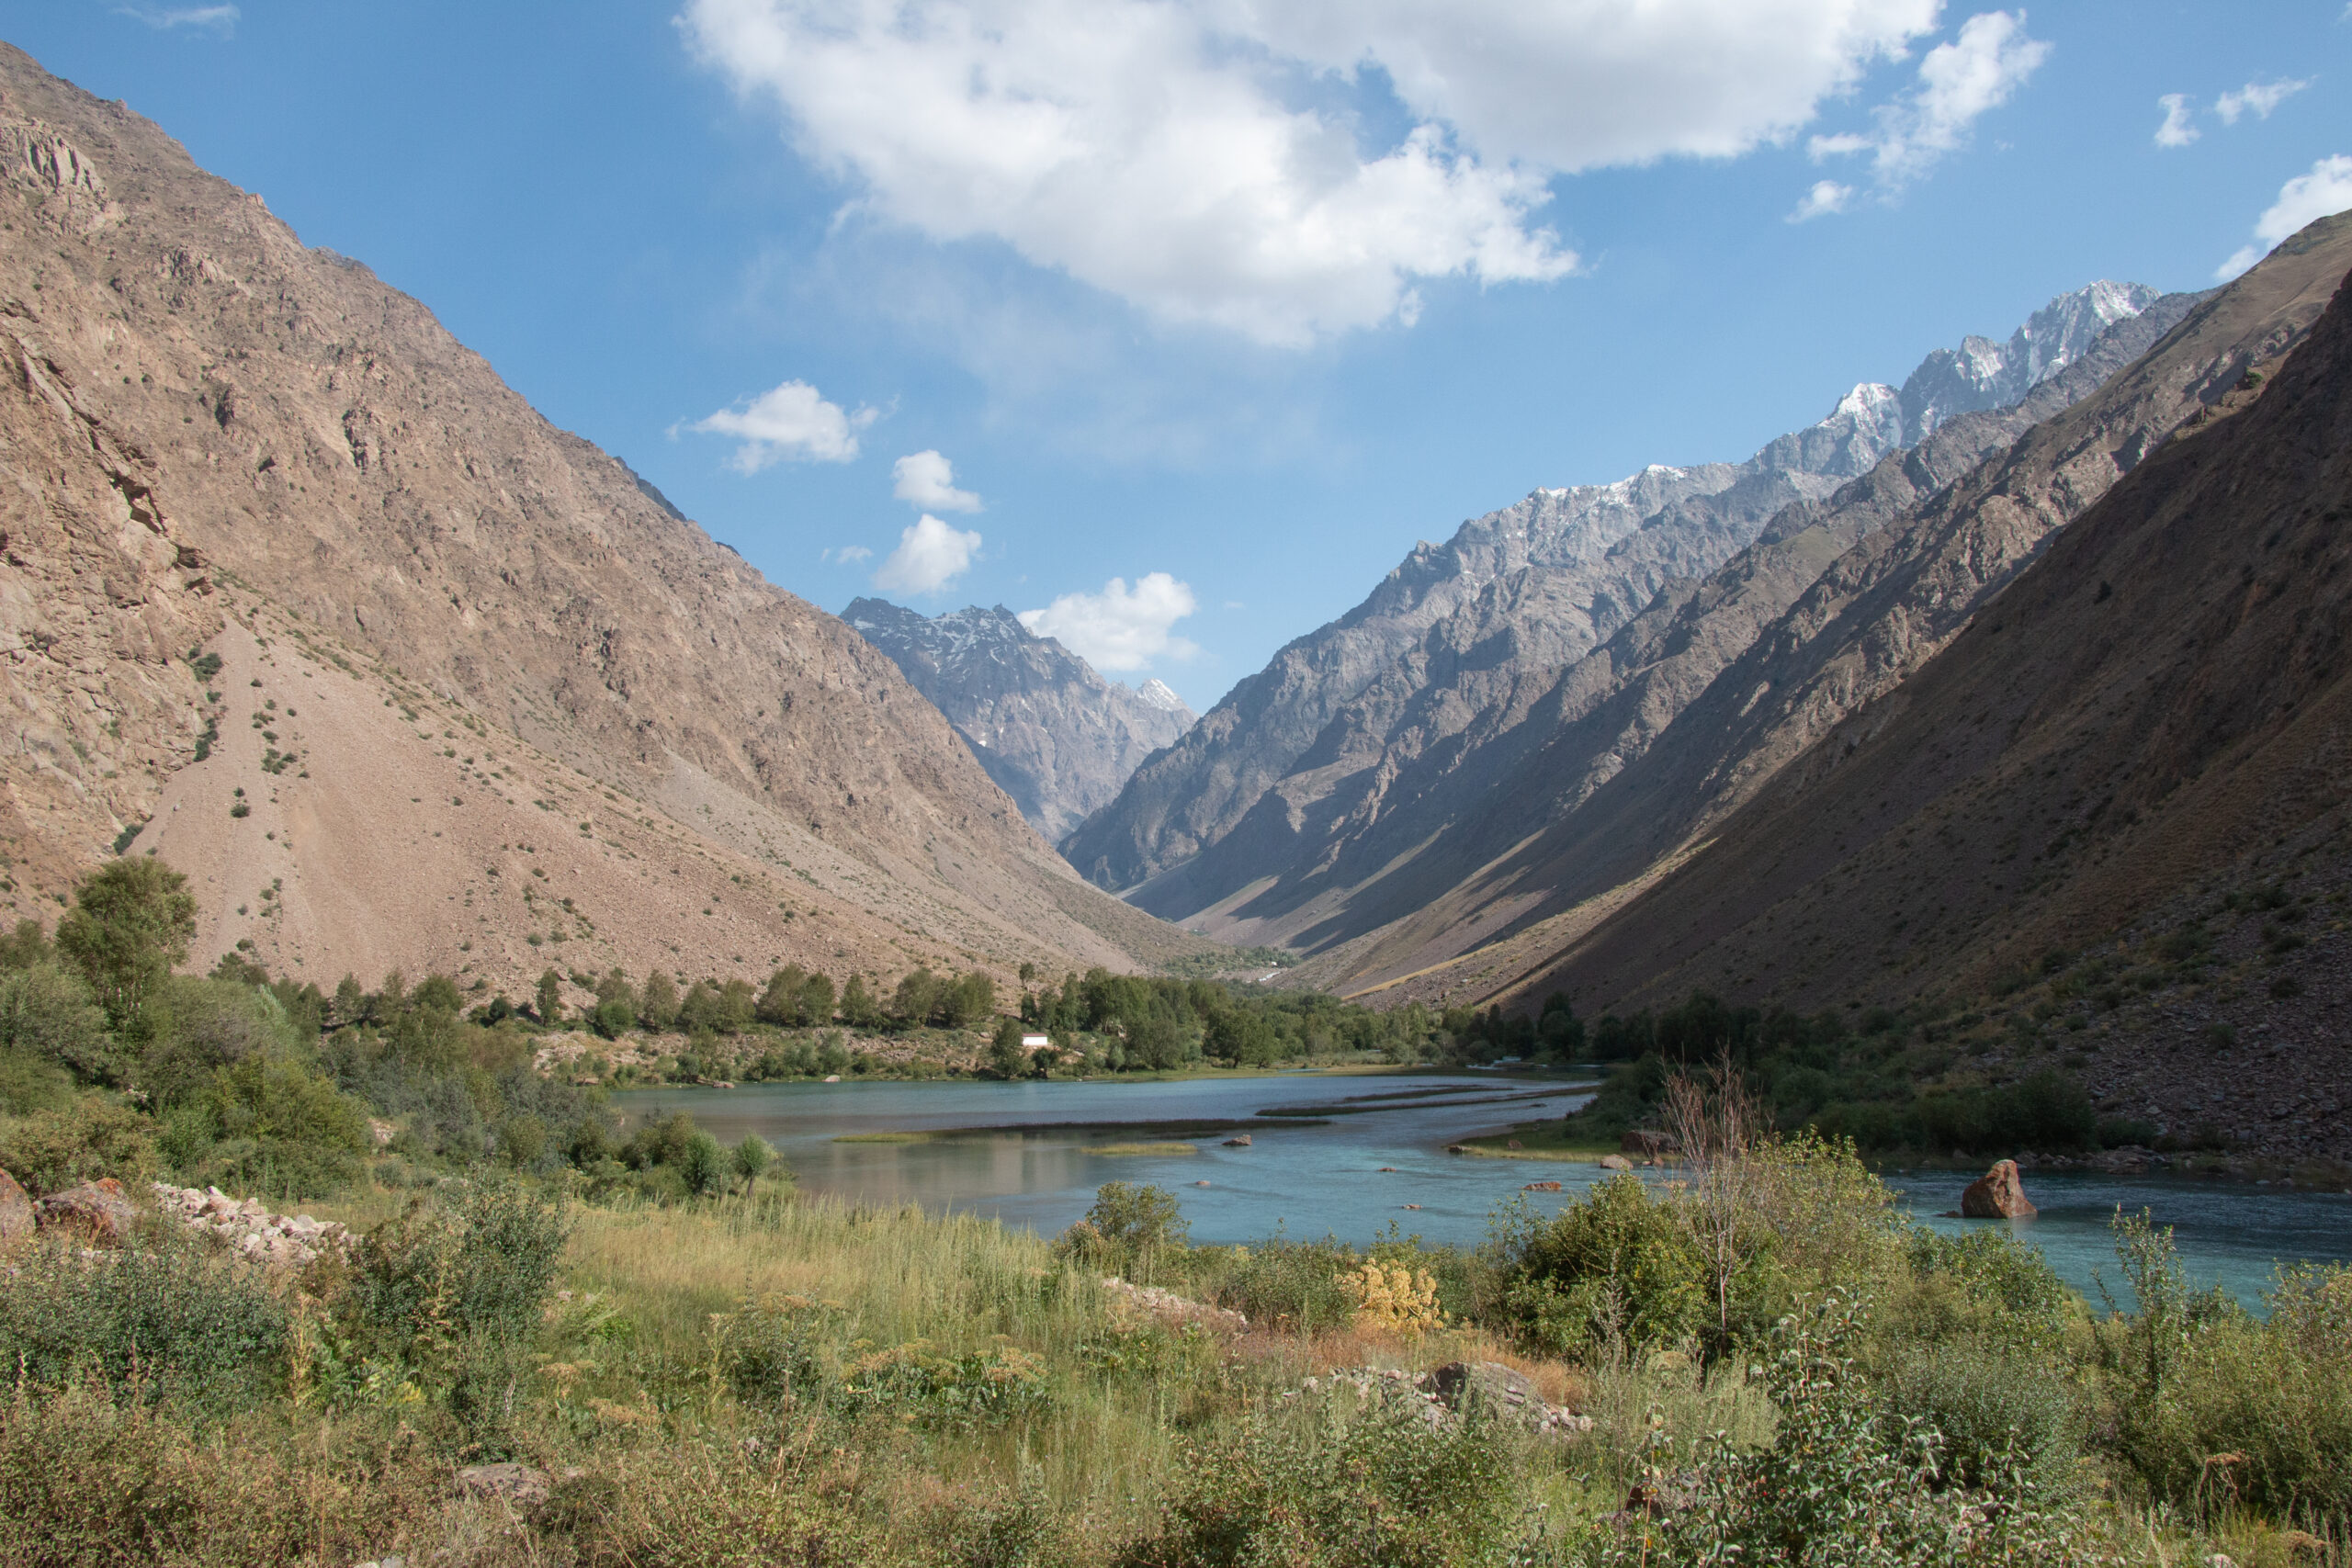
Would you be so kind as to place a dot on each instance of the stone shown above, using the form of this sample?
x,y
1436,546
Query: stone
x,y
1240,1142
1514,1144
1998,1194
508,1482
1616,1162
97,1211
1509,1391
15,1212
1541,1187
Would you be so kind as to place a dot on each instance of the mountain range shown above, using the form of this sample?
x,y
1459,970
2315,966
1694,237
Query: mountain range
x,y
1054,736
485,701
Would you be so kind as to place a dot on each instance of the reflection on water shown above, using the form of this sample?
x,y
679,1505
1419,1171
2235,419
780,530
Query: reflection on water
x,y
1355,1175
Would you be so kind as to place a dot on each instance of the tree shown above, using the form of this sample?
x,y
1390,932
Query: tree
x,y
752,1157
130,925
550,1000
658,1008
736,1007
859,1009
1005,1055
971,997
350,1001
703,1012
918,994
703,1163
615,987
817,999
45,1012
780,1003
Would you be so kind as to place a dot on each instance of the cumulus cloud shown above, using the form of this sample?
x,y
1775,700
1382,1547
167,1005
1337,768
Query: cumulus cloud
x,y
928,480
846,555
1960,82
2257,98
1121,628
1196,158
791,423
929,556
1825,198
2306,198
2176,131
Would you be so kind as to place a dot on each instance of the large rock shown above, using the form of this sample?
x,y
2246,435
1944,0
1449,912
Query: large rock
x,y
1457,1384
98,1212
15,1212
1998,1194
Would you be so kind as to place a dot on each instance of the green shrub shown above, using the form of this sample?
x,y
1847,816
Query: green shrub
x,y
46,1013
1335,1481
1128,1230
703,1164
1615,1268
92,1136
1996,1410
273,1124
159,1317
30,1083
1294,1286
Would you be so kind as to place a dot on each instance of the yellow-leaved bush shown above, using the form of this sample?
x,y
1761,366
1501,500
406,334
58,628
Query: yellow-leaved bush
x,y
1394,1298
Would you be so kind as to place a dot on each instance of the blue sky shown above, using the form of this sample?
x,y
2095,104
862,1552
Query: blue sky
x,y
1230,302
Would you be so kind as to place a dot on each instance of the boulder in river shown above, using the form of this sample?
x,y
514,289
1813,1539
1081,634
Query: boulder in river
x,y
1616,1162
1240,1142
1998,1194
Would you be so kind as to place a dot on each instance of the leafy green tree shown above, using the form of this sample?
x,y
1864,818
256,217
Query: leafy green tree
x,y
736,1005
438,992
780,1003
817,999
45,1012
917,996
704,1164
25,946
129,927
752,1157
390,1000
704,1009
971,997
550,1005
615,987
657,1008
611,1020
1005,1055
350,1000
859,1009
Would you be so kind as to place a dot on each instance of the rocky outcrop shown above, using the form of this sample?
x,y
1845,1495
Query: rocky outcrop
x,y
16,1222
1998,1194
247,1227
96,1213
1054,736
1444,1396
1170,1307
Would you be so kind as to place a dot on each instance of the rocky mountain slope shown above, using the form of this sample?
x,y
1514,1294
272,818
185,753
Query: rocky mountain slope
x,y
2139,741
1870,618
1054,736
217,437
1343,760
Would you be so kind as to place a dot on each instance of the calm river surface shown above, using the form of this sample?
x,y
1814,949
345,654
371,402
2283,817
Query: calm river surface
x,y
1353,1175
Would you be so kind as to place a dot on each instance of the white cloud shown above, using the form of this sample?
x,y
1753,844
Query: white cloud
x,y
929,556
1960,82
1197,158
221,20
2257,98
2176,131
1120,628
846,555
1825,198
2306,198
789,422
928,480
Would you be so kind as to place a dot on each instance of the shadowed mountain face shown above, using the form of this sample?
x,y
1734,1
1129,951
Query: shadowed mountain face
x,y
2156,711
1054,736
215,435
1382,759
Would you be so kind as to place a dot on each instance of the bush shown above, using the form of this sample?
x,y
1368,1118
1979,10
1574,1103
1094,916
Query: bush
x,y
278,1125
51,1150
1995,1409
1128,1230
703,1164
159,1317
46,1013
1338,1482
1612,1269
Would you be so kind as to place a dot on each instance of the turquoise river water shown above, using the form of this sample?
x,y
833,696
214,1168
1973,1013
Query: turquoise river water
x,y
1358,1171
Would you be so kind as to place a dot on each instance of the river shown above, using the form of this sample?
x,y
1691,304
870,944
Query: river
x,y
1358,1171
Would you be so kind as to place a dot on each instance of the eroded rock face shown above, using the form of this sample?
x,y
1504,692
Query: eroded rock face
x,y
98,1213
1998,1194
15,1212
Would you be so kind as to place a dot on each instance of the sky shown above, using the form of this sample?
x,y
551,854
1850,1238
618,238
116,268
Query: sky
x,y
1173,324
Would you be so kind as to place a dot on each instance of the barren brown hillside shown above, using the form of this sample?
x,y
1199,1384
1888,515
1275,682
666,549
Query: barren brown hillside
x,y
215,435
